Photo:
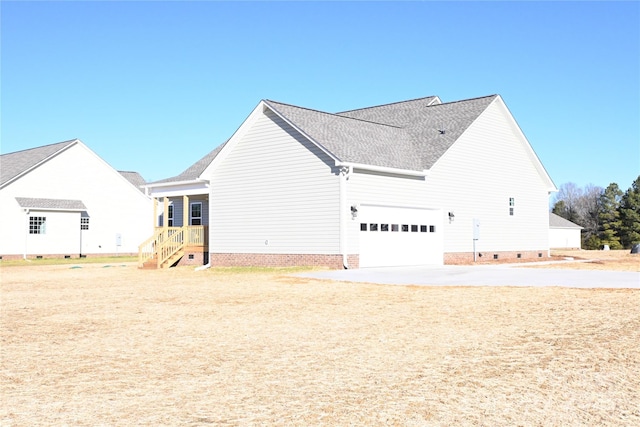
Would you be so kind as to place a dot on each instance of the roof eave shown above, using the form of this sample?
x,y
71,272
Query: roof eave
x,y
383,169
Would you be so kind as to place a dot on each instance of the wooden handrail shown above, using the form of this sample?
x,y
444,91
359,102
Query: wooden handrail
x,y
165,242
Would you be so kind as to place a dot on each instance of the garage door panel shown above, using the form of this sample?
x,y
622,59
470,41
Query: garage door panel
x,y
393,236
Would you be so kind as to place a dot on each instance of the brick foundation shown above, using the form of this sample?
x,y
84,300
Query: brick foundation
x,y
60,256
489,256
282,260
197,258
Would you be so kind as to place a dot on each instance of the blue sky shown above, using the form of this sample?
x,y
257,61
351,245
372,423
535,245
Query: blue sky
x,y
154,86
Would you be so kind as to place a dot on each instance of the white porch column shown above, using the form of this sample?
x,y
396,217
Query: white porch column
x,y
155,214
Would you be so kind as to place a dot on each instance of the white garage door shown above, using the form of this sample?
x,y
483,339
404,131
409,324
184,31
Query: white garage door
x,y
395,236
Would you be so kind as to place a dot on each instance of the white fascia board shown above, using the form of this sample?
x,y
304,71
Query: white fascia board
x,y
231,142
383,169
112,170
37,209
551,187
303,133
178,188
172,183
24,172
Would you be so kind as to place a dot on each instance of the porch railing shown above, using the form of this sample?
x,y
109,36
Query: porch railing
x,y
166,242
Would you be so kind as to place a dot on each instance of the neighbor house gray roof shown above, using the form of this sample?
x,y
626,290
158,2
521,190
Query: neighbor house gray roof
x,y
134,178
51,204
406,135
12,165
556,221
195,170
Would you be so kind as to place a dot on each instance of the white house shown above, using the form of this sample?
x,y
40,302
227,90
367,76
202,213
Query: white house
x,y
563,234
409,183
64,200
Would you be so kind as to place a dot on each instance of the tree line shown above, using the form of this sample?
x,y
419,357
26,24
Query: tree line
x,y
608,215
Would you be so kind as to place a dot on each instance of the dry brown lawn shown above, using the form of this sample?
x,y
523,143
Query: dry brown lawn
x,y
121,346
620,260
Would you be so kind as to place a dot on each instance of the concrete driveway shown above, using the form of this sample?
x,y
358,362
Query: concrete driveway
x,y
485,275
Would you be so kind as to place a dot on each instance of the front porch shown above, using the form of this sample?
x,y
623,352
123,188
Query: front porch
x,y
180,236
169,244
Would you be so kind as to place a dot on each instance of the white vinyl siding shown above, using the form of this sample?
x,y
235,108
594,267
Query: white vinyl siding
x,y
114,206
563,238
61,234
476,178
275,192
376,188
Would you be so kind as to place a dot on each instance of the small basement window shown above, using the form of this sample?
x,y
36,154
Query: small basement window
x,y
405,227
423,228
384,227
495,256
432,229
373,227
394,227
414,228
363,226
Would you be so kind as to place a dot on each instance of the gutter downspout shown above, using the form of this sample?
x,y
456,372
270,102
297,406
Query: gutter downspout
x,y
207,182
26,234
345,171
203,267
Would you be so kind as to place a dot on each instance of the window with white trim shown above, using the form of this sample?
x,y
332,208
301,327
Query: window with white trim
x,y
170,216
37,225
196,213
84,223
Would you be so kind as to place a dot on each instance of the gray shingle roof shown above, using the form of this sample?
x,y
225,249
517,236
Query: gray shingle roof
x,y
195,170
14,164
353,140
51,204
556,221
409,135
134,178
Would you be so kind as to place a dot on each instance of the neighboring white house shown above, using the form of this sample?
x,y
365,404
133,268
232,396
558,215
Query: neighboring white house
x,y
409,183
563,234
64,200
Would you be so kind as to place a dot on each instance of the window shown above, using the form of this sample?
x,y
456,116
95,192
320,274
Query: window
x,y
432,229
373,227
84,223
405,227
196,213
512,203
170,216
384,227
363,226
37,225
394,227
414,228
423,228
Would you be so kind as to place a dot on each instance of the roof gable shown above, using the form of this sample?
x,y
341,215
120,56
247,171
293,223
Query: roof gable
x,y
134,178
14,165
409,135
350,139
194,171
556,221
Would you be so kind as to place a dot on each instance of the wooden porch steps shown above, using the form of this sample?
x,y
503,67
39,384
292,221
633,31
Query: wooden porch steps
x,y
152,264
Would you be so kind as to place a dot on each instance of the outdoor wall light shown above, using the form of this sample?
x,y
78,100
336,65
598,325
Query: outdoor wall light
x,y
451,216
354,211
